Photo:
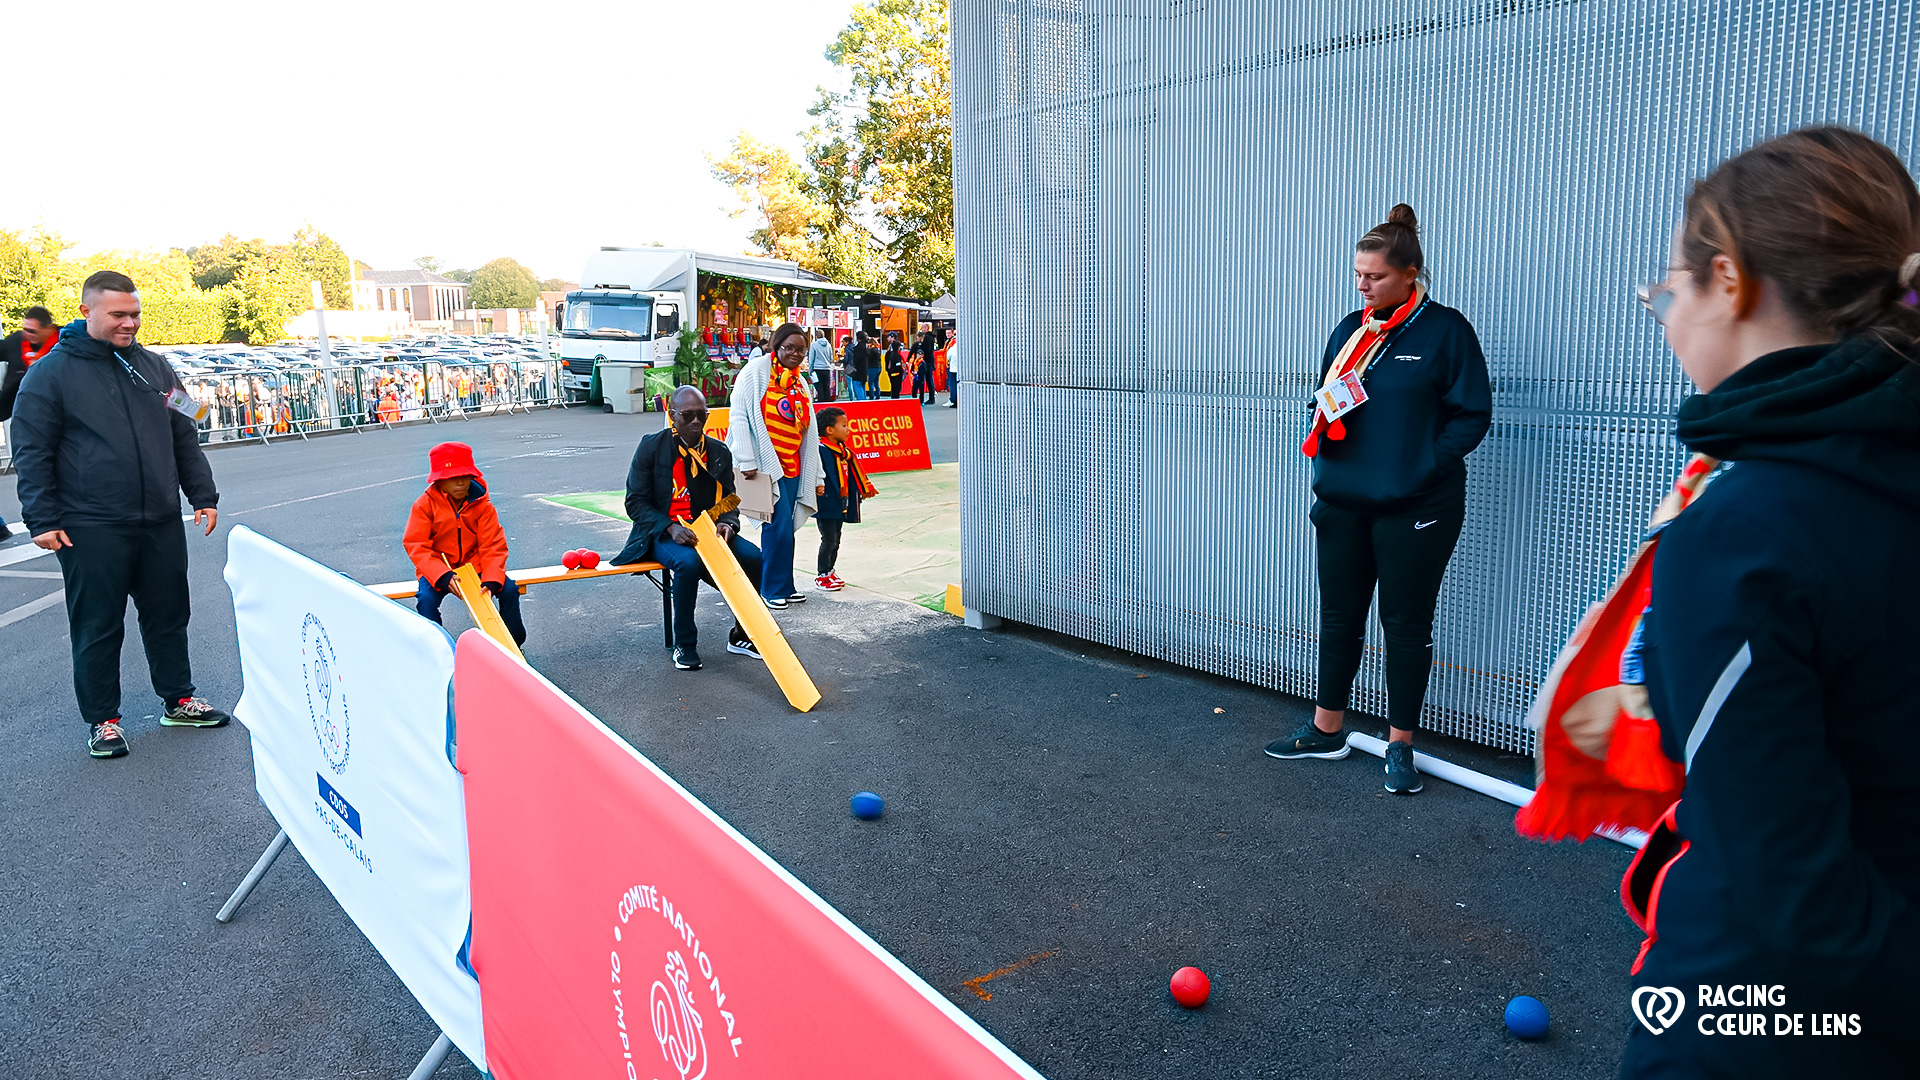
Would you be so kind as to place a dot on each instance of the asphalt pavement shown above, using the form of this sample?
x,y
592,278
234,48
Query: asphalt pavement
x,y
1083,820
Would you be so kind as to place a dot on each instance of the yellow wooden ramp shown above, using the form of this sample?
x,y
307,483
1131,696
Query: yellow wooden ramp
x,y
466,582
745,601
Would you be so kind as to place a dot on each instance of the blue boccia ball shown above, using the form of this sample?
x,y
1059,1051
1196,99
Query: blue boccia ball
x,y
1527,1017
867,806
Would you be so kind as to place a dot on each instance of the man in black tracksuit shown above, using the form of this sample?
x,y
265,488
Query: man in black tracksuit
x,y
1780,659
102,459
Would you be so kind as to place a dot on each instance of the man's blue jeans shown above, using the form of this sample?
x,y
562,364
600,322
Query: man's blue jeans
x,y
776,540
426,600
688,572
857,388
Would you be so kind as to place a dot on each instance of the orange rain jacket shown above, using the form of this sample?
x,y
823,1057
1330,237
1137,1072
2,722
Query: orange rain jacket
x,y
439,537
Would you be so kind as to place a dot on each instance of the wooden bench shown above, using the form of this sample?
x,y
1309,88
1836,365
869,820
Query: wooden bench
x,y
661,577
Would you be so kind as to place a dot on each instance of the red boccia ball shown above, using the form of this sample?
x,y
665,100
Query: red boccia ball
x,y
589,559
1190,987
571,560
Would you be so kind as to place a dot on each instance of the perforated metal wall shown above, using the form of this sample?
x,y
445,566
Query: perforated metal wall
x,y
1158,201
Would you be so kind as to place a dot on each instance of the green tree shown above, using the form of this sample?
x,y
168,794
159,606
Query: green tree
x,y
428,263
898,115
316,255
504,283
554,284
218,263
464,277
27,271
767,181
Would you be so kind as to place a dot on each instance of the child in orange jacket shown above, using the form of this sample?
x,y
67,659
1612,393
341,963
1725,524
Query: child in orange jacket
x,y
453,522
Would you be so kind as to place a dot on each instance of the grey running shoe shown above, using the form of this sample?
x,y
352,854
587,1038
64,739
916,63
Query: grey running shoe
x,y
1402,777
193,712
1310,742
107,740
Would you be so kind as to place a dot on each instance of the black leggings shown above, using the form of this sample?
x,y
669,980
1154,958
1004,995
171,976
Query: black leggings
x,y
829,544
1407,554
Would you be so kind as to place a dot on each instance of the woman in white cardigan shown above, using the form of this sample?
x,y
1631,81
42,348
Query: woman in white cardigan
x,y
770,428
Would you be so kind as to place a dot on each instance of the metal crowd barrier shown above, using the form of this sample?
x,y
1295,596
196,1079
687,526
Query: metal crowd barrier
x,y
299,401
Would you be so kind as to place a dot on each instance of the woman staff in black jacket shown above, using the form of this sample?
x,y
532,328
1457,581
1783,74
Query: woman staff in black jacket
x,y
1404,398
1780,646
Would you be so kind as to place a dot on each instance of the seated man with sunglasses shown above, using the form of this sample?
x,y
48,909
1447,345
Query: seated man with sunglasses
x,y
676,474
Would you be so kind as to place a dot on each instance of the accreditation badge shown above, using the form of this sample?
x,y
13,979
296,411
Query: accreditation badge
x,y
186,405
1340,397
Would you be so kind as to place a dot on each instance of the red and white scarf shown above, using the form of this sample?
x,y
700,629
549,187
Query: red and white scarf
x,y
1360,350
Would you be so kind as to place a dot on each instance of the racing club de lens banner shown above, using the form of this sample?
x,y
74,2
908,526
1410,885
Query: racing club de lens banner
x,y
889,435
622,930
346,700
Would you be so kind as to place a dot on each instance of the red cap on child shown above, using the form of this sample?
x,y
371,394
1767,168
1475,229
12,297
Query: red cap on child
x,y
451,459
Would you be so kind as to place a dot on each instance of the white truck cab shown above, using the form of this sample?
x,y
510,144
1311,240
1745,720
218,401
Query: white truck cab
x,y
633,302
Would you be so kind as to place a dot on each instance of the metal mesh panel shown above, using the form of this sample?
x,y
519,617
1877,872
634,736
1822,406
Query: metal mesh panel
x,y
1158,201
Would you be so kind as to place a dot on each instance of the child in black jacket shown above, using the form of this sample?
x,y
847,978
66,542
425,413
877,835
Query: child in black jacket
x,y
843,488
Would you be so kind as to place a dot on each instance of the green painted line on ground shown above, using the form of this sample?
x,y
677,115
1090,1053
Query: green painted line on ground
x,y
907,548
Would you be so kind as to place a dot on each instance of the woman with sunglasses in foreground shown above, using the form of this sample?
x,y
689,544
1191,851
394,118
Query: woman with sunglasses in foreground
x,y
1781,894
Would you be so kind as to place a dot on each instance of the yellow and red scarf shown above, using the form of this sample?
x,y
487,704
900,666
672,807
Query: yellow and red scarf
x,y
788,411
687,466
1360,350
849,473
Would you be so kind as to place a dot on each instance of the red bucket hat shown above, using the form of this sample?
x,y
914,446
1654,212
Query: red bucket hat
x,y
451,459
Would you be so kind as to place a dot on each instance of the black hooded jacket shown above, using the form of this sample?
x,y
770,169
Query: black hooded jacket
x,y
1783,660
94,446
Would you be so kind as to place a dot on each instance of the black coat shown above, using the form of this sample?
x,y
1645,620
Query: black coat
x,y
93,446
1780,661
650,491
11,369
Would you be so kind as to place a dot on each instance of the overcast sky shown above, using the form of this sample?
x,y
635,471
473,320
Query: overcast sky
x,y
465,129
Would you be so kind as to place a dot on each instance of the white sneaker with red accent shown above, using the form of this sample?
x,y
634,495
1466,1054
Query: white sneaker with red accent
x,y
827,582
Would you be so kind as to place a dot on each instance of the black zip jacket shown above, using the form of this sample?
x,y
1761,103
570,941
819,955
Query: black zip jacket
x,y
1780,656
12,367
1428,405
93,446
650,491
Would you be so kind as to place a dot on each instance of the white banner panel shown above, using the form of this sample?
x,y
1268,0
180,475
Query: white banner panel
x,y
347,700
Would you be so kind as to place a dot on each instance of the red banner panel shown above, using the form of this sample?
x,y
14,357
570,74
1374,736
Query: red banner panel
x,y
622,930
889,435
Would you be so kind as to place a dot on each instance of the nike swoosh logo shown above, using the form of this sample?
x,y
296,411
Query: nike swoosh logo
x,y
1424,524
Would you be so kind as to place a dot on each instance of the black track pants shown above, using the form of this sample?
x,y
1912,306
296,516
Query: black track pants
x,y
105,566
1407,555
829,544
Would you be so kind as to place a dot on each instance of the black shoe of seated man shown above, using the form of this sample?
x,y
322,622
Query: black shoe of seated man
x,y
106,740
193,712
1402,777
739,642
1310,742
5,533
686,658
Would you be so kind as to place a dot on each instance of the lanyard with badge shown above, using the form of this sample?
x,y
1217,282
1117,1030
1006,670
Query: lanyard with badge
x,y
1349,392
177,398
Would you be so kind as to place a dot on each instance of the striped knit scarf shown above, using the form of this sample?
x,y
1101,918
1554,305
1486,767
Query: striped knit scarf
x,y
689,464
849,472
788,411
1360,350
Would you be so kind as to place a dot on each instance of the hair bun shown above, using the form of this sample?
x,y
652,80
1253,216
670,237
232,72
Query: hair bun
x,y
1402,214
